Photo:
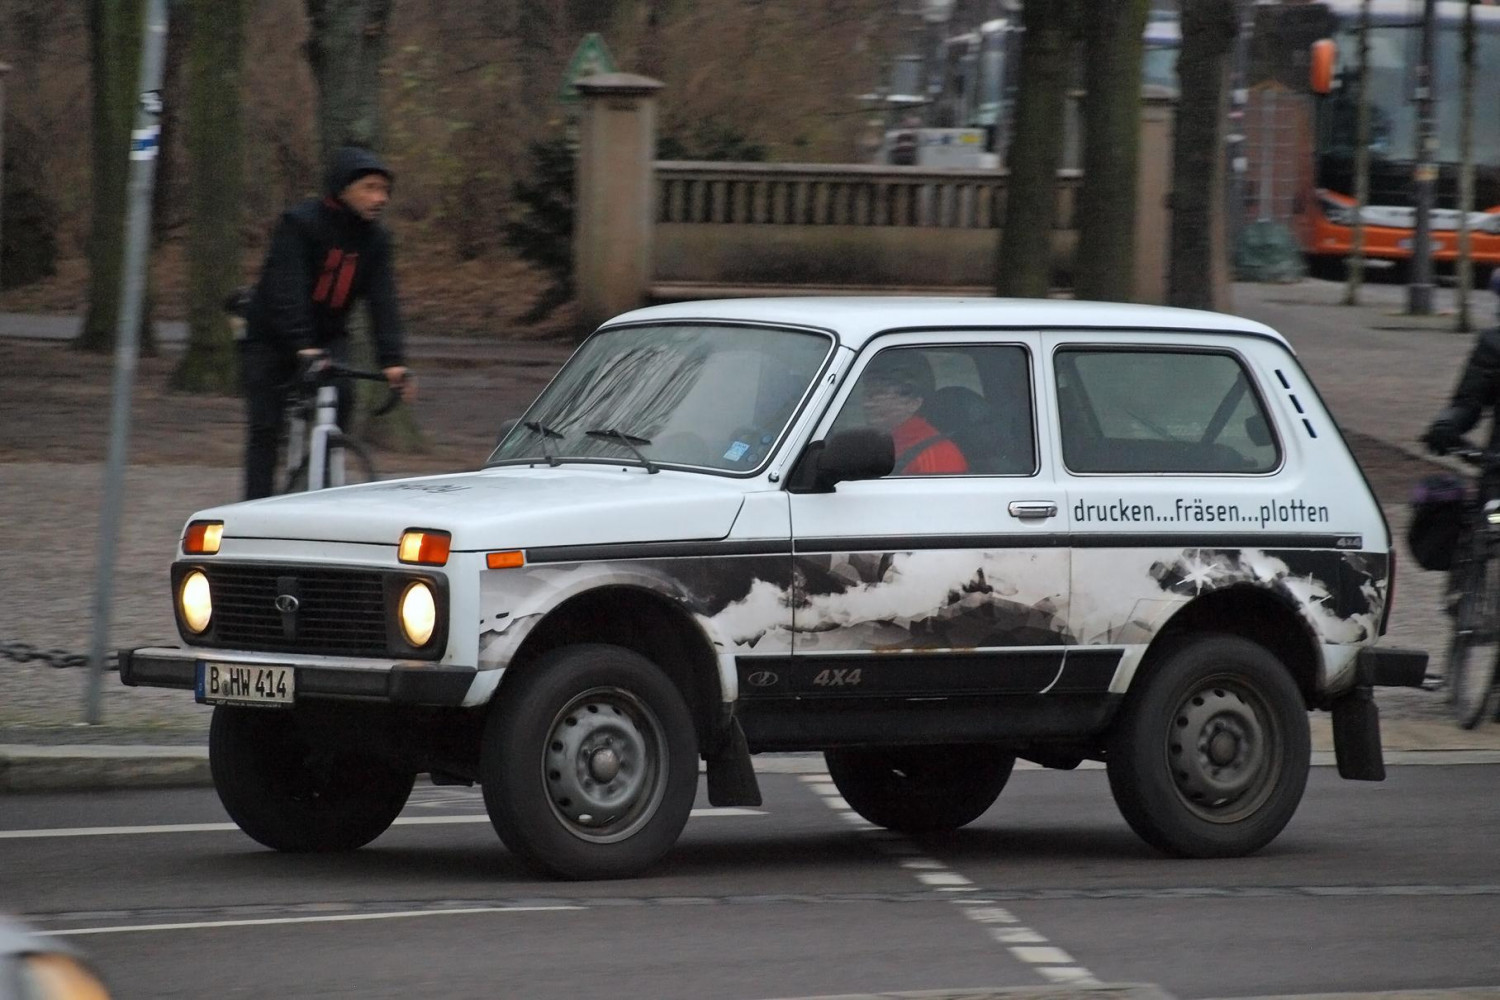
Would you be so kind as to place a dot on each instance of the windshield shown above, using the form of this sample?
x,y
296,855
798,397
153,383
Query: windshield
x,y
1393,117
712,397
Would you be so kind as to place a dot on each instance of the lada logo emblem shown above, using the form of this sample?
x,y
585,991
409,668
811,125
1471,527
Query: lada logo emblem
x,y
287,602
762,679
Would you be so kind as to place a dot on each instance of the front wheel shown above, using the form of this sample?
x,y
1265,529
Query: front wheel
x,y
1211,754
1475,648
920,789
589,763
290,797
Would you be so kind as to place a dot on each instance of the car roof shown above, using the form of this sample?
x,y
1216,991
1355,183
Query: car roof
x,y
857,318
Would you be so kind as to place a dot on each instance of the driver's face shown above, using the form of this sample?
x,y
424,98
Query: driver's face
x,y
887,407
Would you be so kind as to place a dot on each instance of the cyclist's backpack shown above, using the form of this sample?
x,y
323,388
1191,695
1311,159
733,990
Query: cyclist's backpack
x,y
1437,519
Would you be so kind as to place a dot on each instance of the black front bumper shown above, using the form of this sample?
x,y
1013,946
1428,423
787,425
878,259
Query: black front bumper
x,y
403,683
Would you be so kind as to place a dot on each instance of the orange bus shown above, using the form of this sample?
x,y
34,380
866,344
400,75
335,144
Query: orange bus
x,y
1324,216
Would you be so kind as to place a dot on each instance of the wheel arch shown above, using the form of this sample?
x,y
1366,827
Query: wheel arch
x,y
1255,613
645,622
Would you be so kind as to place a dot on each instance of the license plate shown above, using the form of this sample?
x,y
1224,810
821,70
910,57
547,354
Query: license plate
x,y
246,684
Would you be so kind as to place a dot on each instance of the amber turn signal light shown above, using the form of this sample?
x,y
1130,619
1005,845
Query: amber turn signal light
x,y
424,546
505,560
203,537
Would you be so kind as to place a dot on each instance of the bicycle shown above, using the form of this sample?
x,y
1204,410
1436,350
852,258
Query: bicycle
x,y
1474,652
316,446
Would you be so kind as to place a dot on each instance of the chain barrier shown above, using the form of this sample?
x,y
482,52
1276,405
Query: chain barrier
x,y
22,652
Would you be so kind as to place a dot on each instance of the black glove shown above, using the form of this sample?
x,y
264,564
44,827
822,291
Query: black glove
x,y
1442,438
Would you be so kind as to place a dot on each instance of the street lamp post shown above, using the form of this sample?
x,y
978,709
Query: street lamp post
x,y
1419,292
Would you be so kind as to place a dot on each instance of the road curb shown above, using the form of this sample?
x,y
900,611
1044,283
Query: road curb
x,y
88,768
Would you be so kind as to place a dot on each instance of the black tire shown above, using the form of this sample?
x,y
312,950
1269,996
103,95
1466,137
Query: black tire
x,y
1210,753
920,789
1475,647
589,763
291,798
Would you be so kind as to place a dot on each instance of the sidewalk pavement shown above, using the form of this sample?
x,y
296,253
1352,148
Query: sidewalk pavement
x,y
1383,374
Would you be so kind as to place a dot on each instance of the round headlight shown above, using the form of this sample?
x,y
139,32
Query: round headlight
x,y
418,613
197,603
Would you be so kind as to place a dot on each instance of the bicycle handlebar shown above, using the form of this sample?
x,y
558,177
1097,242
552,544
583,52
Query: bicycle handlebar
x,y
319,374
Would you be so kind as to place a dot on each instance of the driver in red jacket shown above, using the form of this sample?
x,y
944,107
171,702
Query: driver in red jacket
x,y
895,386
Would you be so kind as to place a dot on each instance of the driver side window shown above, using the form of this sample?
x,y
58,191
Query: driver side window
x,y
962,409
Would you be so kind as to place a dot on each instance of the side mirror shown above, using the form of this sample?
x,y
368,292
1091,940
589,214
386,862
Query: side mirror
x,y
864,453
1321,58
506,426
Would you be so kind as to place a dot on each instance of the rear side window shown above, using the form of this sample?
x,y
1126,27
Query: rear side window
x,y
1162,411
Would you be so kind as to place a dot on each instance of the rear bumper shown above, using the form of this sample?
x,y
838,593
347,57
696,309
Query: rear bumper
x,y
405,682
1377,666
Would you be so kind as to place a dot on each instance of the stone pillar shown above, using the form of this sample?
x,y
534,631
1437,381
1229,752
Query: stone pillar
x,y
1153,220
4,69
615,195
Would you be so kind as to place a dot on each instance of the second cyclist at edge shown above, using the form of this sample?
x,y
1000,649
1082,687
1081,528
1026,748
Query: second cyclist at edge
x,y
326,253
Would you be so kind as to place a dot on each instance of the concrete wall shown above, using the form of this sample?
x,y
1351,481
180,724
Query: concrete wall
x,y
677,230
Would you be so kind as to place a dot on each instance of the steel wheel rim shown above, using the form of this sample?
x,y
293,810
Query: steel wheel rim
x,y
604,766
1223,750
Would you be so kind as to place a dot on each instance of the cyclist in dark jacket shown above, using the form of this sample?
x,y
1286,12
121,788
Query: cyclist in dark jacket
x,y
1478,390
326,253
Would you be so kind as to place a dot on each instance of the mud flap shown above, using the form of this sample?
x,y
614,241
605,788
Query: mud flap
x,y
731,776
1356,735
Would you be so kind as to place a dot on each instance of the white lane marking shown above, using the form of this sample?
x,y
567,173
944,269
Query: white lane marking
x,y
115,831
1027,945
330,919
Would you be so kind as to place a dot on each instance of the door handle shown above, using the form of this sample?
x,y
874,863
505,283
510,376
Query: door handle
x,y
1032,508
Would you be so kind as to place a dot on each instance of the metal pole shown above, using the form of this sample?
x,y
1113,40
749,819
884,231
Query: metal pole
x,y
1419,292
1466,173
1239,146
1361,162
144,140
4,69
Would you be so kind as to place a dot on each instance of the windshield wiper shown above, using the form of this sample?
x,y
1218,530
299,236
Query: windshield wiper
x,y
545,432
628,440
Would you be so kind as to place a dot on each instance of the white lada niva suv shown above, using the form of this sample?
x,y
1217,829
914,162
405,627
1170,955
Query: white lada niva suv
x,y
924,537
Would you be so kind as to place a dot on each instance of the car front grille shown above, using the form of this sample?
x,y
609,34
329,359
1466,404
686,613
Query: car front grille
x,y
338,611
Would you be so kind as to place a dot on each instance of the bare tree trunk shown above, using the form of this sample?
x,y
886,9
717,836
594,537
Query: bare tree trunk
x,y
1112,34
345,47
1466,173
115,28
1024,265
1356,274
1208,32
216,47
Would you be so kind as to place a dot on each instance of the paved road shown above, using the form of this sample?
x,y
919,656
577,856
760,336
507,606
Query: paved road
x,y
1372,887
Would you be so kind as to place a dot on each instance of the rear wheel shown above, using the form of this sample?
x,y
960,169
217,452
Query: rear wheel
x,y
920,789
1211,754
1475,648
290,797
358,468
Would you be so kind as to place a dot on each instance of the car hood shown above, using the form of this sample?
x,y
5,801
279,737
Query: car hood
x,y
511,507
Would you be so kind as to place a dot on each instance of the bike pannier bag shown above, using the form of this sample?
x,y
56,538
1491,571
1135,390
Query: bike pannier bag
x,y
1437,520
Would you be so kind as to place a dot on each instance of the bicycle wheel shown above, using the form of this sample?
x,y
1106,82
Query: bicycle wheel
x,y
1475,648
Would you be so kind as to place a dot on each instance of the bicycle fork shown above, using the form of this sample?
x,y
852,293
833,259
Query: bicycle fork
x,y
325,460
